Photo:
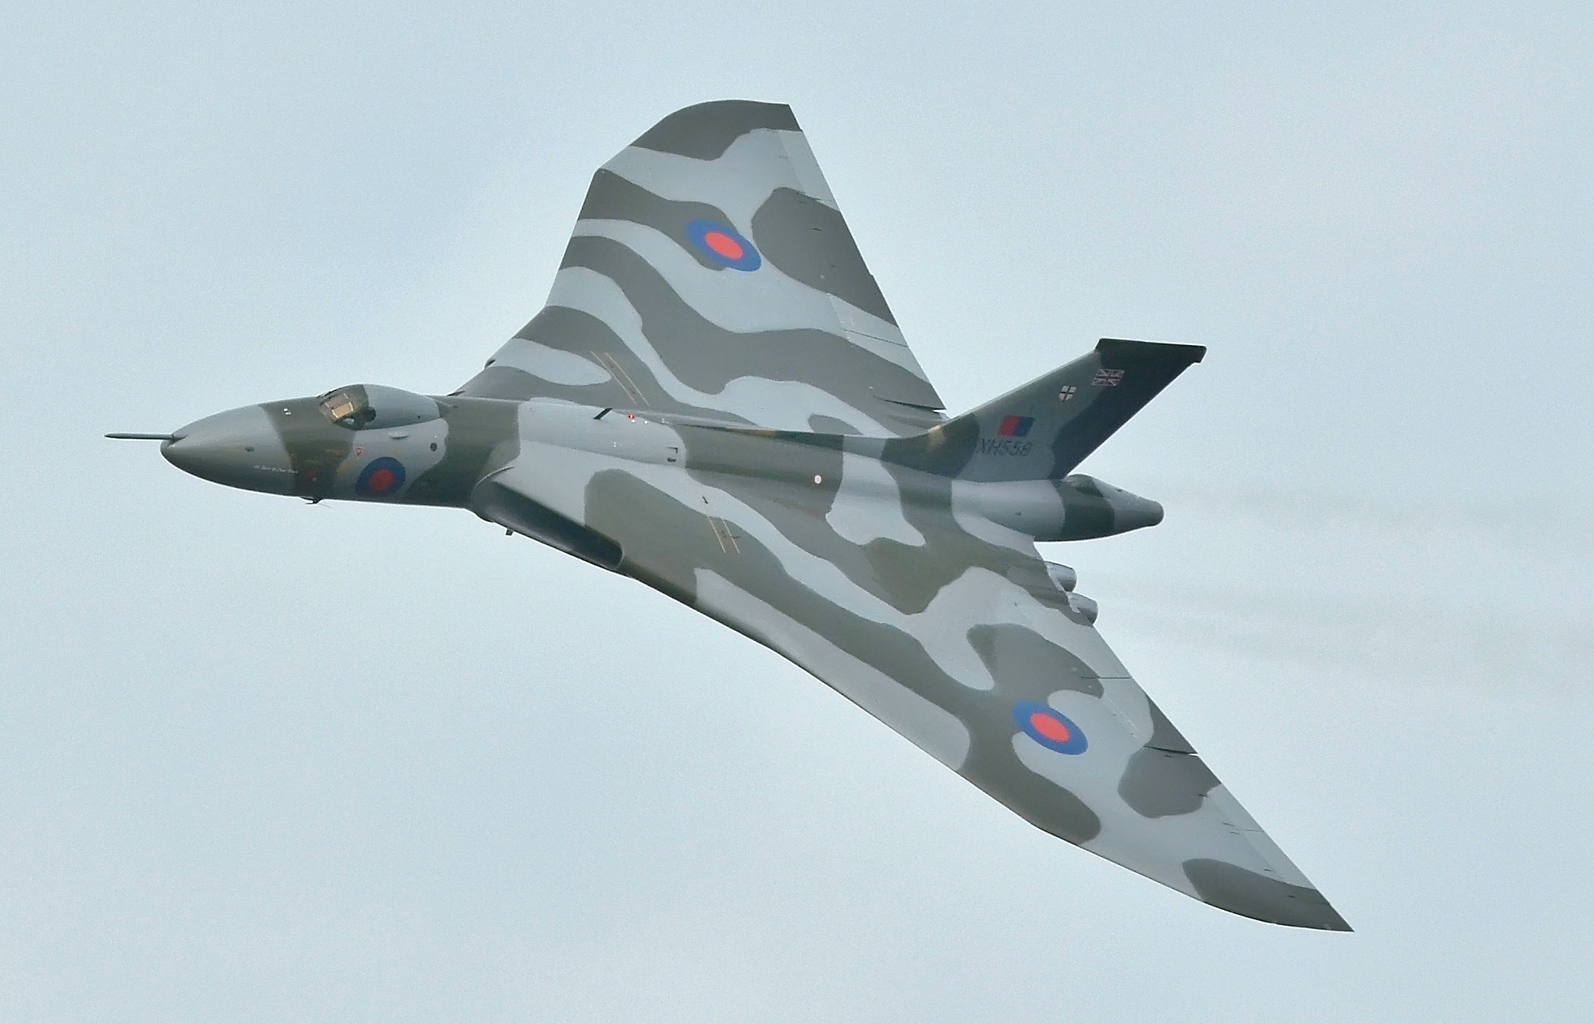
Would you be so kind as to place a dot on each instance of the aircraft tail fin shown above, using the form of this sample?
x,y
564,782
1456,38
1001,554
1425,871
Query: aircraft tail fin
x,y
1042,430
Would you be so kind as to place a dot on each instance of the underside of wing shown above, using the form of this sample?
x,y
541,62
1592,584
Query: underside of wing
x,y
943,626
1022,698
711,274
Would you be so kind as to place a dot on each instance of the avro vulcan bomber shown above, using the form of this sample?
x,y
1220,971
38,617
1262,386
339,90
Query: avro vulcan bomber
x,y
717,402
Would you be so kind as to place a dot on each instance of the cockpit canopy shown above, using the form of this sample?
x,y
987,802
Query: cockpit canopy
x,y
375,407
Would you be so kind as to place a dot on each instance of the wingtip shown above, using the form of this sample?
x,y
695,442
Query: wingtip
x,y
1242,891
1321,917
1311,915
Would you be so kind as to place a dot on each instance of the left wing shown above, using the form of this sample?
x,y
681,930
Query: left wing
x,y
711,274
943,626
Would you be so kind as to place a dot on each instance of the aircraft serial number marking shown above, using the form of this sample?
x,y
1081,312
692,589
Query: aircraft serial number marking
x,y
1004,446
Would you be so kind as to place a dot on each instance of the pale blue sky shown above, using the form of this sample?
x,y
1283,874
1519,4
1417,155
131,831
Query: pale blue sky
x,y
263,761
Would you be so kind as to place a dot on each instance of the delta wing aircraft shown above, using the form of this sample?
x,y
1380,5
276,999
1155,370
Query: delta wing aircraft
x,y
717,401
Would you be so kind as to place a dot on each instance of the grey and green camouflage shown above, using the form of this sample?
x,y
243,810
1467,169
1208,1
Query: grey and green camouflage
x,y
716,401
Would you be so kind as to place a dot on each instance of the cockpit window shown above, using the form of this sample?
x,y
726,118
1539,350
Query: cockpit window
x,y
372,406
348,408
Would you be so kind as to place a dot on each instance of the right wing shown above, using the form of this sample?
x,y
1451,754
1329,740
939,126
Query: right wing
x,y
711,275
943,626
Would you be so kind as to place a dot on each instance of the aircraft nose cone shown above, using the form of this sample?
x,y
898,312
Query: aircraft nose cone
x,y
239,448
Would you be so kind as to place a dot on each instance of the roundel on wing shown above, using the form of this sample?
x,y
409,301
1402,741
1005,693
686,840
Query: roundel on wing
x,y
723,244
1049,728
381,478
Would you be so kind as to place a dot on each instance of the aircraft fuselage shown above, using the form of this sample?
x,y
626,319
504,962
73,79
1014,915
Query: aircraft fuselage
x,y
374,443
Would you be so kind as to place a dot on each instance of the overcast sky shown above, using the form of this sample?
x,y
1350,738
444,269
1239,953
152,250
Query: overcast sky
x,y
267,761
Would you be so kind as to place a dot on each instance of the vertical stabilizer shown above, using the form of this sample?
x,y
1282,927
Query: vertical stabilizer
x,y
1044,429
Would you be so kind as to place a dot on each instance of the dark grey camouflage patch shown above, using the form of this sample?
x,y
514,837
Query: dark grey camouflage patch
x,y
1157,783
757,459
481,439
904,574
316,448
1017,652
944,450
501,381
573,330
512,510
1088,513
822,424
1163,734
918,418
1267,899
811,243
706,131
612,197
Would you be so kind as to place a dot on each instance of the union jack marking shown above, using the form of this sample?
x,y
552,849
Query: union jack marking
x,y
1107,378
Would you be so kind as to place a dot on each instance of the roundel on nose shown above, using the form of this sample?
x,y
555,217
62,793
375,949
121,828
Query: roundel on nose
x,y
381,478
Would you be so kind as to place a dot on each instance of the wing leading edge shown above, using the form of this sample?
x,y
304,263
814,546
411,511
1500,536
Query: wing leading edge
x,y
711,274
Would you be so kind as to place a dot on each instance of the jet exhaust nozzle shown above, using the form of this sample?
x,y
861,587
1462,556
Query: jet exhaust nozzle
x,y
1078,507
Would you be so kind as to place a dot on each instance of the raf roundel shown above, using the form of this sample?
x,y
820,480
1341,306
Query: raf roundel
x,y
723,245
381,478
1050,729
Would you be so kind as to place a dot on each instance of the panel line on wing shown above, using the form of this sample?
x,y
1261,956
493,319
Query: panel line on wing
x,y
622,378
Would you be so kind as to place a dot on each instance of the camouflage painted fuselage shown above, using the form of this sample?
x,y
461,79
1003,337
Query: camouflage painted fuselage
x,y
293,447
